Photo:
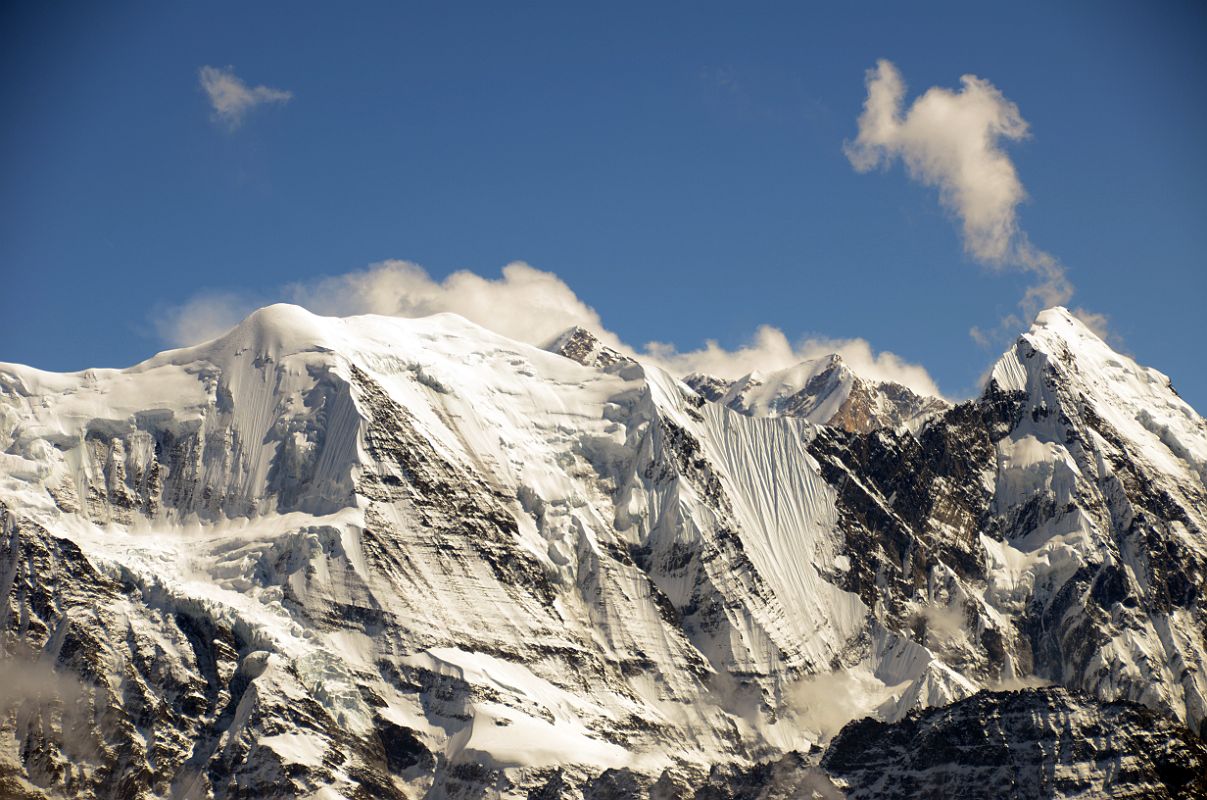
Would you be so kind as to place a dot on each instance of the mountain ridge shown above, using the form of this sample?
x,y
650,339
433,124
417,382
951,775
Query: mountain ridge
x,y
321,554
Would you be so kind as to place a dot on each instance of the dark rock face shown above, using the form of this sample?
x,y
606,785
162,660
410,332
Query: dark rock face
x,y
870,406
791,776
457,506
109,707
912,507
403,750
579,344
1037,743
708,387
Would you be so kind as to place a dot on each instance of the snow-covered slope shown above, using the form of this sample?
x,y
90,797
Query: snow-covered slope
x,y
1100,487
384,557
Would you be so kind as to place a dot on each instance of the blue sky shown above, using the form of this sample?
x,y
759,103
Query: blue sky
x,y
680,167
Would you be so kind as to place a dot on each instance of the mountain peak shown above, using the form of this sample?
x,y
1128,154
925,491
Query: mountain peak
x,y
1061,364
1056,313
276,326
1058,321
575,334
581,345
1059,337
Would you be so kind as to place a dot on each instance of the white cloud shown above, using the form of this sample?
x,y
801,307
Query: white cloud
x,y
526,304
949,140
231,98
952,140
770,349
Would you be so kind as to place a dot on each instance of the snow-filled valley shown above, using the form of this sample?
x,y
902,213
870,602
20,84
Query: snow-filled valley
x,y
384,557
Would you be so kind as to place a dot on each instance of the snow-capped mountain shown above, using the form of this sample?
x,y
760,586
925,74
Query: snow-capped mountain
x,y
383,557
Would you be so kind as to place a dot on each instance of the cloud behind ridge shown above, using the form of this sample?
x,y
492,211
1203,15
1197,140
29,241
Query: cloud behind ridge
x,y
526,304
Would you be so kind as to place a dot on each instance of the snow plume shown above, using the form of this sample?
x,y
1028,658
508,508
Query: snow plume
x,y
526,304
1099,324
952,140
203,317
231,98
944,624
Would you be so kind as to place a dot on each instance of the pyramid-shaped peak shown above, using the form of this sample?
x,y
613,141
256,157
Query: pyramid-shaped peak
x,y
581,345
1064,334
575,334
1061,321
1060,336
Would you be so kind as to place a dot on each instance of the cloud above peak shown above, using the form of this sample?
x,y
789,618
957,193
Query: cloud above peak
x,y
231,99
952,140
526,304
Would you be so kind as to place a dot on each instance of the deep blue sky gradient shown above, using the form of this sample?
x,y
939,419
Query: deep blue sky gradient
x,y
680,165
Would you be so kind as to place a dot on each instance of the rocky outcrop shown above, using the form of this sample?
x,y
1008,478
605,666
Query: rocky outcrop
x,y
579,344
1037,743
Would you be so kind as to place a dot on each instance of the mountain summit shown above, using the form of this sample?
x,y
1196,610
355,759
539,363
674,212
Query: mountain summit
x,y
384,557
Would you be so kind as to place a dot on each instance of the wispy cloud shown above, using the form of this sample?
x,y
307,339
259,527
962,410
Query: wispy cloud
x,y
204,316
231,98
526,304
952,140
